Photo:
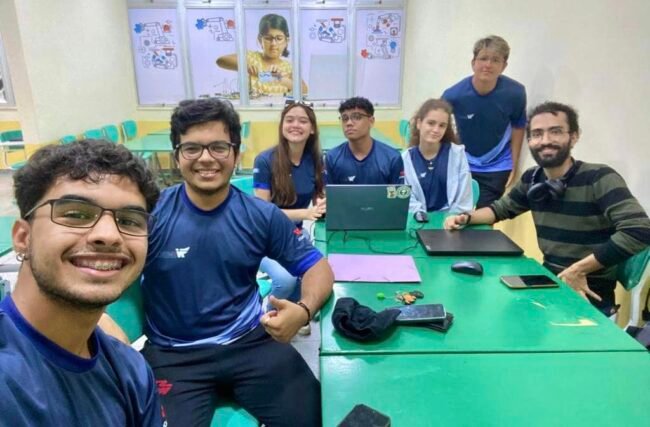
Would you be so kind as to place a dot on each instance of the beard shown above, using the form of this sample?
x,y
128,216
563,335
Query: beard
x,y
561,155
55,290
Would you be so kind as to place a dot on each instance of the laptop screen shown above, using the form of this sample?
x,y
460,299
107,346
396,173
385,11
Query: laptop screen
x,y
367,207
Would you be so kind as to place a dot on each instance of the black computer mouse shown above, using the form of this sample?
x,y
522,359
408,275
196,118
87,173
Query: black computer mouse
x,y
468,267
421,216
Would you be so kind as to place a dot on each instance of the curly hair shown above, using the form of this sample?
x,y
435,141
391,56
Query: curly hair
x,y
87,159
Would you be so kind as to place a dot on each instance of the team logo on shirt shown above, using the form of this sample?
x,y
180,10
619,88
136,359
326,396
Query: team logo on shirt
x,y
181,252
256,170
298,233
470,116
351,178
423,174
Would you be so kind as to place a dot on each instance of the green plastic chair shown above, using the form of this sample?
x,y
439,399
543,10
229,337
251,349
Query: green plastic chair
x,y
67,139
111,133
94,134
129,314
15,135
129,129
244,183
404,131
476,192
632,274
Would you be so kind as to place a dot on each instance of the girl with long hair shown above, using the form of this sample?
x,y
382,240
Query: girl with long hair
x,y
435,164
290,175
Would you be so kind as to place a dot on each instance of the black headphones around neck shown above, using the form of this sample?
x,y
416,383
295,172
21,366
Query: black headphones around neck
x,y
541,191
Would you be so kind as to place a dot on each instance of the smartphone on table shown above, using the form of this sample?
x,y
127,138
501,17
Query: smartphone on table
x,y
529,281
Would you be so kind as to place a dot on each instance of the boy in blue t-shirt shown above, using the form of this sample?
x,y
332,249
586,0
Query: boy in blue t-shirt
x,y
362,159
81,239
209,339
490,113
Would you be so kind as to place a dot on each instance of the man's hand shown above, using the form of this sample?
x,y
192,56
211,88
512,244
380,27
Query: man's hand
x,y
578,282
456,222
283,322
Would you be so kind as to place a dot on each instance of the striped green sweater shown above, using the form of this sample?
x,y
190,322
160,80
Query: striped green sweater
x,y
597,214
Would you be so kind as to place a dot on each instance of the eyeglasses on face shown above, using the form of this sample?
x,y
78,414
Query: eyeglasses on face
x,y
218,149
291,102
553,133
355,117
271,39
493,59
83,214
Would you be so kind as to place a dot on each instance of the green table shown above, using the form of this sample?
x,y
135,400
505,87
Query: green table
x,y
331,136
6,242
154,142
539,389
489,317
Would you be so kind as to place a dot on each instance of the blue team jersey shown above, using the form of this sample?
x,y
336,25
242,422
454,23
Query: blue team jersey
x,y
432,175
199,282
485,122
303,177
41,384
383,165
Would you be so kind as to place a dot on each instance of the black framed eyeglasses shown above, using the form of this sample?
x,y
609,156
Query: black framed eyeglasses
x,y
553,133
291,102
355,117
218,149
83,214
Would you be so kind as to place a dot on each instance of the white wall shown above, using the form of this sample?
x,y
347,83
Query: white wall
x,y
592,54
70,64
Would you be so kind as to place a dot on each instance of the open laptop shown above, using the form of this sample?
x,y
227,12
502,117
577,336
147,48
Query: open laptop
x,y
367,207
467,242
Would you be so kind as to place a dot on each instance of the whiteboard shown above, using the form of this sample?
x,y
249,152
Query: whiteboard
x,y
324,38
157,56
380,34
211,34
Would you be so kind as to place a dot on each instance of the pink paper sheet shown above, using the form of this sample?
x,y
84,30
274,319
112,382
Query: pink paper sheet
x,y
373,268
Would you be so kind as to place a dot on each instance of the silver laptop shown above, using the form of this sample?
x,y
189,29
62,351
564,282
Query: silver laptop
x,y
367,207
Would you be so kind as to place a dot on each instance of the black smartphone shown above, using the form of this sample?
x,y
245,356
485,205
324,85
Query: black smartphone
x,y
364,416
440,325
527,281
421,313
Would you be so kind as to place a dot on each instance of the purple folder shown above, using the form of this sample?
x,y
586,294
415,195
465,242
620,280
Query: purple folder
x,y
373,268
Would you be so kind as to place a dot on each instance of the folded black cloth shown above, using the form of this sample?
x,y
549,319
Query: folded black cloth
x,y
362,323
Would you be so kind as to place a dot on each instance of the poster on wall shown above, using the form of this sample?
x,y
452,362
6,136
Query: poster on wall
x,y
156,56
324,39
378,55
212,34
268,55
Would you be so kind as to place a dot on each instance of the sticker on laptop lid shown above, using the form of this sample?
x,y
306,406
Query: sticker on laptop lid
x,y
404,192
391,192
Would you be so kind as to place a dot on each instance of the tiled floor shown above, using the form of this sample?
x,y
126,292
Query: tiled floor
x,y
306,345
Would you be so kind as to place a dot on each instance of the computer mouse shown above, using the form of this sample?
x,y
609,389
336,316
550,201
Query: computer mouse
x,y
421,216
468,267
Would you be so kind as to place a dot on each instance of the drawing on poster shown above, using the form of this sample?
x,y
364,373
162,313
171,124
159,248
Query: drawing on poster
x,y
328,30
222,29
383,33
156,45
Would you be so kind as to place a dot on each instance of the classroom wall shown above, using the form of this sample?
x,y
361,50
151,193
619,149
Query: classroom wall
x,y
593,54
70,65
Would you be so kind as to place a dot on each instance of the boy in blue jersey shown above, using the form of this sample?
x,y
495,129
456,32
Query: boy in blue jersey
x,y
209,339
362,159
81,239
490,113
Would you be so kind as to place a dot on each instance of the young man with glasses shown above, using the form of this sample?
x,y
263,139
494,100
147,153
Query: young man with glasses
x,y
81,240
209,339
490,113
587,220
362,159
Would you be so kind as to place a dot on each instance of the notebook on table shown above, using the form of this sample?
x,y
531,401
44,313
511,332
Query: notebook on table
x,y
468,242
367,207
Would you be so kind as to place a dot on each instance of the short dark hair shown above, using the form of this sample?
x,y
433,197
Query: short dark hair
x,y
554,108
357,102
192,112
87,159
